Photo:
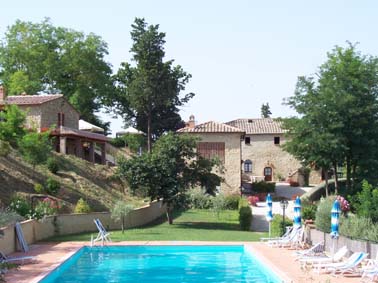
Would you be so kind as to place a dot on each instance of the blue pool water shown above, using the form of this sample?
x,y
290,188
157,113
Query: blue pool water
x,y
162,264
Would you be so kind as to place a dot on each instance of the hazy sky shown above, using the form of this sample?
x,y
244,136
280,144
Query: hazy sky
x,y
240,53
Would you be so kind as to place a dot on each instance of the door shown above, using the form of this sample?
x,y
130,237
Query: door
x,y
268,174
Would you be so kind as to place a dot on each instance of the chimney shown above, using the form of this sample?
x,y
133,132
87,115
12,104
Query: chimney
x,y
192,123
2,93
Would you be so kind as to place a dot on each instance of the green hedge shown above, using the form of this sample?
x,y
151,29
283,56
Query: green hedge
x,y
263,187
277,229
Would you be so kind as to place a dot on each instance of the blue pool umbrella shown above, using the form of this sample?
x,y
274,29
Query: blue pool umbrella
x,y
297,213
335,214
269,213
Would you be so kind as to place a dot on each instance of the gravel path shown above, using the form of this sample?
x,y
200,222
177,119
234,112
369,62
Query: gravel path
x,y
259,222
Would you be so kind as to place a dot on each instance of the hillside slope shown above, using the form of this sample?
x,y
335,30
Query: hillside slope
x,y
78,178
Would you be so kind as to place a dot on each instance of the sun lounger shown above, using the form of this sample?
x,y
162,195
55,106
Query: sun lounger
x,y
288,240
323,259
315,250
102,235
350,265
21,259
20,237
288,231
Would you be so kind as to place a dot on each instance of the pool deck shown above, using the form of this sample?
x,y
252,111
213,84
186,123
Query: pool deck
x,y
50,255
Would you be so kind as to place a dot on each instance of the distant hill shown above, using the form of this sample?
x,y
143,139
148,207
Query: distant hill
x,y
95,183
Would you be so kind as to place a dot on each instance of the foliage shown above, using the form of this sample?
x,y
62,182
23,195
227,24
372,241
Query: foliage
x,y
218,204
119,212
52,186
245,217
35,147
231,201
367,202
82,206
169,170
293,183
12,121
199,200
38,188
323,214
39,57
344,204
21,206
277,229
338,115
148,94
132,141
52,165
8,216
265,110
45,207
263,187
309,212
5,266
4,148
354,227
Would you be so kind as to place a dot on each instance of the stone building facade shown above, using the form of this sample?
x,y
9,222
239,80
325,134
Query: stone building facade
x,y
44,112
221,141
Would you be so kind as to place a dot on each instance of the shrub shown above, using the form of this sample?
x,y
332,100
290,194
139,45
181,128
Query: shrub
x,y
44,208
38,188
82,206
231,201
8,217
21,206
12,124
218,204
293,183
354,227
52,186
323,214
4,148
242,202
252,200
52,165
277,227
245,218
119,212
199,200
35,147
309,212
263,187
367,202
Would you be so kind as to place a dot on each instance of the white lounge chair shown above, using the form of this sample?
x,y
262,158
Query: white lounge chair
x,y
349,265
315,260
288,240
21,259
288,231
315,250
102,235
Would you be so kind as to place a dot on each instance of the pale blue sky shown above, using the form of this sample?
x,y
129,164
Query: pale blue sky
x,y
240,53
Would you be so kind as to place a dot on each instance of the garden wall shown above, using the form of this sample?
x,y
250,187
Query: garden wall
x,y
66,224
315,236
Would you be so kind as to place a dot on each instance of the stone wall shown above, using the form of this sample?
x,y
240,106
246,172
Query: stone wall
x,y
232,166
264,153
66,224
33,116
50,112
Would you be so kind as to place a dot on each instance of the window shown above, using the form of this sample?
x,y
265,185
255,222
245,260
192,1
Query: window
x,y
211,150
276,140
248,166
247,140
60,119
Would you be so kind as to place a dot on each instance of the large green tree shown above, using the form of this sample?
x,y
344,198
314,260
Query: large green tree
x,y
148,93
169,170
42,58
265,110
338,114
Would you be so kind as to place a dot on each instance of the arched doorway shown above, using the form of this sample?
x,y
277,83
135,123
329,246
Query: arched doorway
x,y
268,174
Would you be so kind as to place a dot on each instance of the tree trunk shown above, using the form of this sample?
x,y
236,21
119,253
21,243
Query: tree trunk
x,y
354,167
326,182
336,178
169,215
348,173
123,224
149,146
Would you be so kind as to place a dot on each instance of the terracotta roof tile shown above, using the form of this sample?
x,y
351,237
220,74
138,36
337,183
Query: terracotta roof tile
x,y
258,126
211,127
29,99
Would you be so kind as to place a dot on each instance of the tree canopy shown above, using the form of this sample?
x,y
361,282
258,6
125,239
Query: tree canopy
x,y
265,110
148,93
41,58
169,170
338,121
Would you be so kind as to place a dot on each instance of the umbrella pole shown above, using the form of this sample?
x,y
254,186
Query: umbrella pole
x,y
333,248
269,229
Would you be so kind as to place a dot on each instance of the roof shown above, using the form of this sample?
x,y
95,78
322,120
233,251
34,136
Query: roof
x,y
29,99
258,126
211,127
65,131
86,126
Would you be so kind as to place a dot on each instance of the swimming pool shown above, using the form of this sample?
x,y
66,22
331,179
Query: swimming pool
x,y
162,264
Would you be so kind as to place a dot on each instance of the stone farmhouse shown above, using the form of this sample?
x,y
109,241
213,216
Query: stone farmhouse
x,y
46,111
250,150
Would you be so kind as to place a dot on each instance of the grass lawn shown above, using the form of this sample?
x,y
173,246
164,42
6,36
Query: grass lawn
x,y
191,225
